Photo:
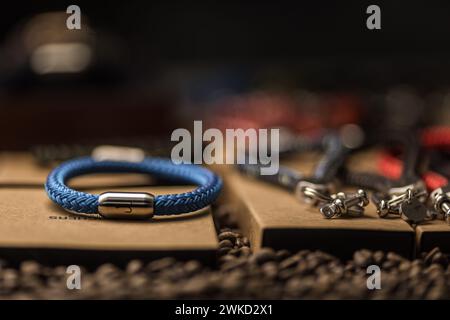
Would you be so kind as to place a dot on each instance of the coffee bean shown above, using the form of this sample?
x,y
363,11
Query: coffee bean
x,y
263,255
363,258
419,290
192,267
226,216
135,281
324,283
233,282
30,268
108,271
22,296
176,272
417,262
281,255
389,264
434,270
350,267
270,269
313,262
290,262
225,244
223,251
404,266
245,251
3,264
10,279
233,264
228,235
439,291
429,256
299,286
234,252
59,272
439,258
393,260
336,269
134,266
286,274
324,257
30,282
194,287
166,290
226,258
294,286
161,264
378,257
304,253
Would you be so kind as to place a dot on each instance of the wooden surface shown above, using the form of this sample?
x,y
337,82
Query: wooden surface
x,y
272,217
433,234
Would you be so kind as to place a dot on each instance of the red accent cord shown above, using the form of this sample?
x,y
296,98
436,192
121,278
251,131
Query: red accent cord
x,y
391,167
434,137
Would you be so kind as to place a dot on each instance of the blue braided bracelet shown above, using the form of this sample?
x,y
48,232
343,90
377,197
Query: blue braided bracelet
x,y
136,204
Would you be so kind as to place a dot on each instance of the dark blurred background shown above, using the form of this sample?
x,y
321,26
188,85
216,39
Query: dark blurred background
x,y
140,69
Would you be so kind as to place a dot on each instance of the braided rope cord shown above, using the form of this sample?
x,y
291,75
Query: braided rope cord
x,y
411,154
367,180
326,170
209,184
332,160
286,177
390,166
436,137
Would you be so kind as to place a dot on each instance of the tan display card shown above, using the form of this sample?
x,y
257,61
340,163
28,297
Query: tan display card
x,y
31,226
433,234
19,169
271,216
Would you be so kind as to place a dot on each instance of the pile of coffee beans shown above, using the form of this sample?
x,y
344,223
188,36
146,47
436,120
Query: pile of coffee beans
x,y
266,274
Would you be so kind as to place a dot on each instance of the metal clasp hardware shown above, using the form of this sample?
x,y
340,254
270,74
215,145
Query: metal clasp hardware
x,y
351,205
313,193
441,203
126,205
408,202
333,205
117,153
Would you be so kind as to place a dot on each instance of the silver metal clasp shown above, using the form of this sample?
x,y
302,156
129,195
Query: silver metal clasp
x,y
313,193
440,201
351,205
126,205
333,205
118,153
408,202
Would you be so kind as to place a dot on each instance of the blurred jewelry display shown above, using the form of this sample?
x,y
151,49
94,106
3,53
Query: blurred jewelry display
x,y
404,197
317,189
434,139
